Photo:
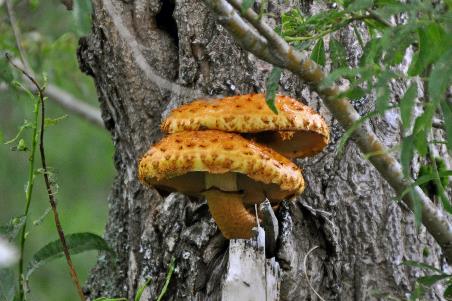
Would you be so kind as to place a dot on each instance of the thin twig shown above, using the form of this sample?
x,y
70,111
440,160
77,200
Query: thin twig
x,y
64,99
53,201
306,272
61,97
28,73
29,191
75,105
41,99
300,64
17,34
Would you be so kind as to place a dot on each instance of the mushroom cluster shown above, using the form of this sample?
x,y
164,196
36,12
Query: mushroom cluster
x,y
236,153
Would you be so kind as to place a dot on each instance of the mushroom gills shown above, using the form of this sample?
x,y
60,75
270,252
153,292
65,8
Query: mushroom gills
x,y
193,183
291,144
224,181
230,214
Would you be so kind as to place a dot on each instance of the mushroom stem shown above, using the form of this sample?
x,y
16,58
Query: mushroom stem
x,y
230,214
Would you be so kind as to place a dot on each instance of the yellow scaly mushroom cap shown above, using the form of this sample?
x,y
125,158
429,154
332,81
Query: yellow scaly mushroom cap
x,y
296,131
180,162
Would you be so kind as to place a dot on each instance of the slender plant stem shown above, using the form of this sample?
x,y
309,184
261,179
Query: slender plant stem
x,y
40,102
30,183
28,194
52,200
40,90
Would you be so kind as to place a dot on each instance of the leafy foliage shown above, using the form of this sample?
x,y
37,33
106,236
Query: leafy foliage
x,y
429,186
82,16
425,35
272,85
169,274
49,40
425,282
77,243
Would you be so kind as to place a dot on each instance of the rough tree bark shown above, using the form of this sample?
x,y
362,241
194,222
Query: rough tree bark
x,y
347,209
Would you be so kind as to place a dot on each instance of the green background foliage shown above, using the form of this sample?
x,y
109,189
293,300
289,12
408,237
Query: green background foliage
x,y
80,155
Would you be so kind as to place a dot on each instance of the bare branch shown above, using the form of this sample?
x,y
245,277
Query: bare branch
x,y
17,34
299,63
74,105
60,96
64,99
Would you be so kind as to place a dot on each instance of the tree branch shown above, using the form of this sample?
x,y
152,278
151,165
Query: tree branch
x,y
299,63
51,194
17,34
67,101
63,98
74,105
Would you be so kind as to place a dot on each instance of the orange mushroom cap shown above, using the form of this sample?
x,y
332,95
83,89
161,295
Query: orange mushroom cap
x,y
296,131
180,162
229,170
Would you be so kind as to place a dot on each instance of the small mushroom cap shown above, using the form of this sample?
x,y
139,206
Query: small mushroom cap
x,y
181,162
296,131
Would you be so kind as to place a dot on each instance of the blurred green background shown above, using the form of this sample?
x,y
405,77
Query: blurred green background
x,y
80,154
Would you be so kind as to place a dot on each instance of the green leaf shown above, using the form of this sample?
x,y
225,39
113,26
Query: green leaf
x,y
12,228
416,264
382,90
7,284
1,137
24,126
426,177
77,243
432,279
371,53
110,299
360,5
34,3
444,173
420,141
406,106
169,273
417,293
354,93
431,46
272,85
338,54
446,108
383,94
422,126
440,78
246,4
448,292
53,121
318,53
141,289
81,12
21,146
406,154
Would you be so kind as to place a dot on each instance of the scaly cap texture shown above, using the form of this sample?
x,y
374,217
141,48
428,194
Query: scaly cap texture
x,y
250,114
218,152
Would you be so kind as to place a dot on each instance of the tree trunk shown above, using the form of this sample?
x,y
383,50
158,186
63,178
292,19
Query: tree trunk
x,y
347,209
